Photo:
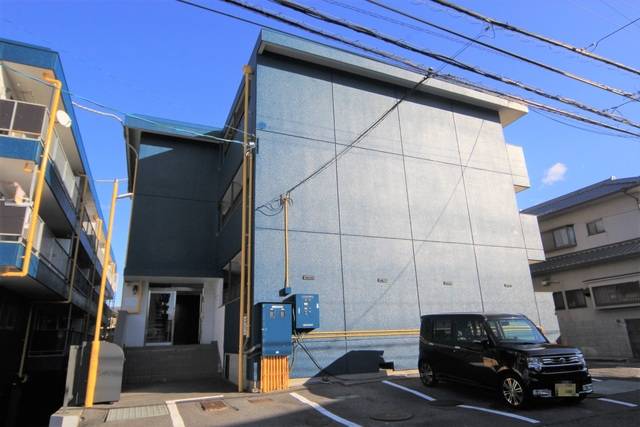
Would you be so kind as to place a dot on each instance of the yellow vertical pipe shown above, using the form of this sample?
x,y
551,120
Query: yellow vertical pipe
x,y
42,171
95,347
285,200
243,245
247,71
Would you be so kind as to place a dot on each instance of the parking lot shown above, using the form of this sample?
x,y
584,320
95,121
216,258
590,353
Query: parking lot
x,y
395,400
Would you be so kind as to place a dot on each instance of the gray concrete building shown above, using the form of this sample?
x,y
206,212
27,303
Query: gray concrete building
x,y
591,239
418,216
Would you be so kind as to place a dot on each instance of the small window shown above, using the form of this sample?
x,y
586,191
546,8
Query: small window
x,y
425,329
576,298
231,197
558,301
469,330
442,330
564,237
595,227
618,294
231,280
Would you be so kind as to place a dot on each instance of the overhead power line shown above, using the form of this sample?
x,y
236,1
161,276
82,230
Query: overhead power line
x,y
512,28
117,113
415,66
547,67
446,59
595,44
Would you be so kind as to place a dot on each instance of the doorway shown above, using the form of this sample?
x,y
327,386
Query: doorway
x,y
187,319
173,316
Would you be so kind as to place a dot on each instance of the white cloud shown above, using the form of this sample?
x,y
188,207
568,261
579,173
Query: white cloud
x,y
554,174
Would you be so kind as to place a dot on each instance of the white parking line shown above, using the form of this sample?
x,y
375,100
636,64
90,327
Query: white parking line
x,y
324,412
618,402
505,414
174,413
596,380
417,393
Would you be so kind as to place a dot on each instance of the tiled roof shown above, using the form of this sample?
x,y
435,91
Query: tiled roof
x,y
583,195
584,258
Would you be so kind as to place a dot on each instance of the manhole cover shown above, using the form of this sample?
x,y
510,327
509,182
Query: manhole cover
x,y
213,405
260,400
444,402
392,416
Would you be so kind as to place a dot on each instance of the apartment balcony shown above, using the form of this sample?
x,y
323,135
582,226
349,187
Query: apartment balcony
x,y
48,249
23,127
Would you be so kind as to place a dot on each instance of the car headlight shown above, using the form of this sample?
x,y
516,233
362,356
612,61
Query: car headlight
x,y
534,363
580,357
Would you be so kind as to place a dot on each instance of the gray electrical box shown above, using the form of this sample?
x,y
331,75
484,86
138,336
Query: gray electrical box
x,y
110,370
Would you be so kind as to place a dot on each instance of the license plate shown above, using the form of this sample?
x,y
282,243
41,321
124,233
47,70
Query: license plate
x,y
565,390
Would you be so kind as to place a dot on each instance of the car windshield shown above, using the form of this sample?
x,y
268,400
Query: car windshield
x,y
520,331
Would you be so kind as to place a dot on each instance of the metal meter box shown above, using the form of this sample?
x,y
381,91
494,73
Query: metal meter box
x,y
275,329
306,311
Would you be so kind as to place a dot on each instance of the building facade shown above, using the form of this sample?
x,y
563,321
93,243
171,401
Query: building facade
x,y
591,238
54,305
413,216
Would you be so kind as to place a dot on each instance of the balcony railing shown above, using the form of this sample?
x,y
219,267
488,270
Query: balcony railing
x,y
20,119
50,249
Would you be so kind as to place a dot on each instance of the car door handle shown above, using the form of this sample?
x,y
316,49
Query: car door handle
x,y
456,347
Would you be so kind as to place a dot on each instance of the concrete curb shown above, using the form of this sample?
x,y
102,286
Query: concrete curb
x,y
68,417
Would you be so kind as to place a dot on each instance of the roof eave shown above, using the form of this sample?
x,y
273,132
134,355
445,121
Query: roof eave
x,y
316,53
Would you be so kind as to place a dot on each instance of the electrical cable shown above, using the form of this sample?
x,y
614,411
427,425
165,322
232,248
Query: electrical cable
x,y
539,37
120,119
594,45
506,52
314,13
396,59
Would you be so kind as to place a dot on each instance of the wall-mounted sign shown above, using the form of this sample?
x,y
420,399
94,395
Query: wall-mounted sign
x,y
308,277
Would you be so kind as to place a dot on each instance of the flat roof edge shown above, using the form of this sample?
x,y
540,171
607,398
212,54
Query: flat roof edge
x,y
332,57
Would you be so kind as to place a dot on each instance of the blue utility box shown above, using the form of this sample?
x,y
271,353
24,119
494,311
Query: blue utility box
x,y
275,329
306,311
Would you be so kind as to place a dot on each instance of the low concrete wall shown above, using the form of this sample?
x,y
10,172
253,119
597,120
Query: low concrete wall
x,y
148,365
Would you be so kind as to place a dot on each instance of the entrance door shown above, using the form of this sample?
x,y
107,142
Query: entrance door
x,y
187,319
160,318
633,329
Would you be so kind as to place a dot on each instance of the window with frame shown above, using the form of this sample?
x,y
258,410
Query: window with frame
x,y
576,298
595,227
469,330
231,280
8,315
231,197
558,301
442,330
619,294
564,237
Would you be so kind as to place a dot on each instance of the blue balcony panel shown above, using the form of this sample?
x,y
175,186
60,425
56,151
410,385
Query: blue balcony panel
x,y
20,148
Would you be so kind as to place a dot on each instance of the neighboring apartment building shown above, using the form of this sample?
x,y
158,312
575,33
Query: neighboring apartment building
x,y
419,217
54,306
591,239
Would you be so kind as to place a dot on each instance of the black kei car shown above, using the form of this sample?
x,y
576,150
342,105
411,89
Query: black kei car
x,y
503,352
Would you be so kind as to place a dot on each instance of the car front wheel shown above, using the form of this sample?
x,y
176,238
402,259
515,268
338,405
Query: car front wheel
x,y
427,375
513,391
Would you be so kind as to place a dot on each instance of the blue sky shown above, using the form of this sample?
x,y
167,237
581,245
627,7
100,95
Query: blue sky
x,y
167,59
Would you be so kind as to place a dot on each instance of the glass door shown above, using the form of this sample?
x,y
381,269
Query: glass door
x,y
160,318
